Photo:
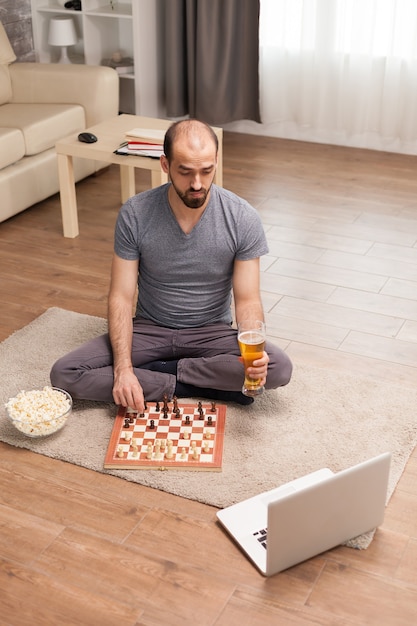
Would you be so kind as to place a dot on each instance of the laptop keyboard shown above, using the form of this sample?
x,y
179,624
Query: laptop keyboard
x,y
261,536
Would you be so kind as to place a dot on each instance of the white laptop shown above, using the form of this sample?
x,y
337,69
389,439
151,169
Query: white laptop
x,y
298,520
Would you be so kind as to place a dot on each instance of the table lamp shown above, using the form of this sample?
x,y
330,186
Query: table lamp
x,y
62,33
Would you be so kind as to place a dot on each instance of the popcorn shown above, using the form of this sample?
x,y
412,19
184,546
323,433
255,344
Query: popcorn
x,y
39,412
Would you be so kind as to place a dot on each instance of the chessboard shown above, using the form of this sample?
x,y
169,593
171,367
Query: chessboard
x,y
167,435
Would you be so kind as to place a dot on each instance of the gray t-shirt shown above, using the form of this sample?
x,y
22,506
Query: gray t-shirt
x,y
185,279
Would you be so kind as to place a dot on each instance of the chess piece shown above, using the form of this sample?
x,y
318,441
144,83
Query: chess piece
x,y
166,407
158,454
169,454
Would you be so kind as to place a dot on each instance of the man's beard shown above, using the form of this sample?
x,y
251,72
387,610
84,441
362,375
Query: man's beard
x,y
189,200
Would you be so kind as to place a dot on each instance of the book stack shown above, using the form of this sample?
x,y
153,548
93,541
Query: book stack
x,y
145,142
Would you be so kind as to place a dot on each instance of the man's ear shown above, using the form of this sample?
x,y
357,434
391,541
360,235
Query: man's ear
x,y
164,164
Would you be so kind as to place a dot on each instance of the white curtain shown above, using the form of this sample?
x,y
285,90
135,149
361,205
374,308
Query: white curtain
x,y
339,71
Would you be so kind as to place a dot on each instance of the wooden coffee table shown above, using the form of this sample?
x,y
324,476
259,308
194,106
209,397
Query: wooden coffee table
x,y
110,135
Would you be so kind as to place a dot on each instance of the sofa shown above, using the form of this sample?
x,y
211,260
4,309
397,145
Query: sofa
x,y
40,104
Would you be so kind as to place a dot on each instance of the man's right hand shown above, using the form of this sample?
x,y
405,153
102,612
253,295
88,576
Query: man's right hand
x,y
127,391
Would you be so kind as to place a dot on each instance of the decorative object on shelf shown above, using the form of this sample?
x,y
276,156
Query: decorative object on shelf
x,y
122,65
62,33
75,5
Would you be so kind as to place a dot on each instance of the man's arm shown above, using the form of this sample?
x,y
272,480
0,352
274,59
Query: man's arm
x,y
126,388
248,305
246,290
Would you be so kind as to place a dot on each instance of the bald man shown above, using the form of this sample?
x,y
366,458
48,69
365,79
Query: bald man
x,y
183,249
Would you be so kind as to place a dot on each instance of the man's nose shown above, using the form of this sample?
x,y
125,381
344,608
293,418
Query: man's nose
x,y
196,182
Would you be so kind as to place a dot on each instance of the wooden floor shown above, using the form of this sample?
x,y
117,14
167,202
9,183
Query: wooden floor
x,y
340,291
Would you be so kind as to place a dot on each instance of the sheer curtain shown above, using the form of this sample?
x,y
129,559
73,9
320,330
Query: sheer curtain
x,y
339,71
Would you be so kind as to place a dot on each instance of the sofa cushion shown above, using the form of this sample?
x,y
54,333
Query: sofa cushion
x,y
5,84
7,56
12,146
42,125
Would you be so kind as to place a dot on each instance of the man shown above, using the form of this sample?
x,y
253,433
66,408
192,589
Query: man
x,y
185,245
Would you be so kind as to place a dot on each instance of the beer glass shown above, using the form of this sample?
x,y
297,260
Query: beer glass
x,y
251,338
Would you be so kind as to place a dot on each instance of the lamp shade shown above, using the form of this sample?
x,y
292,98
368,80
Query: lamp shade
x,y
62,31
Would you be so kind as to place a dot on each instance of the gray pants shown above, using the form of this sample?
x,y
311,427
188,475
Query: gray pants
x,y
207,357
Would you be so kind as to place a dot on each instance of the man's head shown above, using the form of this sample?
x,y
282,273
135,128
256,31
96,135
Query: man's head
x,y
190,160
178,131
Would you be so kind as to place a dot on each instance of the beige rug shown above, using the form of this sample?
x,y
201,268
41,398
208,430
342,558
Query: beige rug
x,y
321,419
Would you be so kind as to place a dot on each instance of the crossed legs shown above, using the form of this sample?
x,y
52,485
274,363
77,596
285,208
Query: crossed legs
x,y
205,358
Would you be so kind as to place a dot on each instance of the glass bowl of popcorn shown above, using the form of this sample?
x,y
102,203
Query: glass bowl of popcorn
x,y
39,412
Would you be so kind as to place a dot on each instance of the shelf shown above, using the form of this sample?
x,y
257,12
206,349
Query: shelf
x,y
58,9
119,11
122,11
131,28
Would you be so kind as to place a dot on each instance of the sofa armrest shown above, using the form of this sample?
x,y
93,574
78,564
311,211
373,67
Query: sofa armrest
x,y
95,88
